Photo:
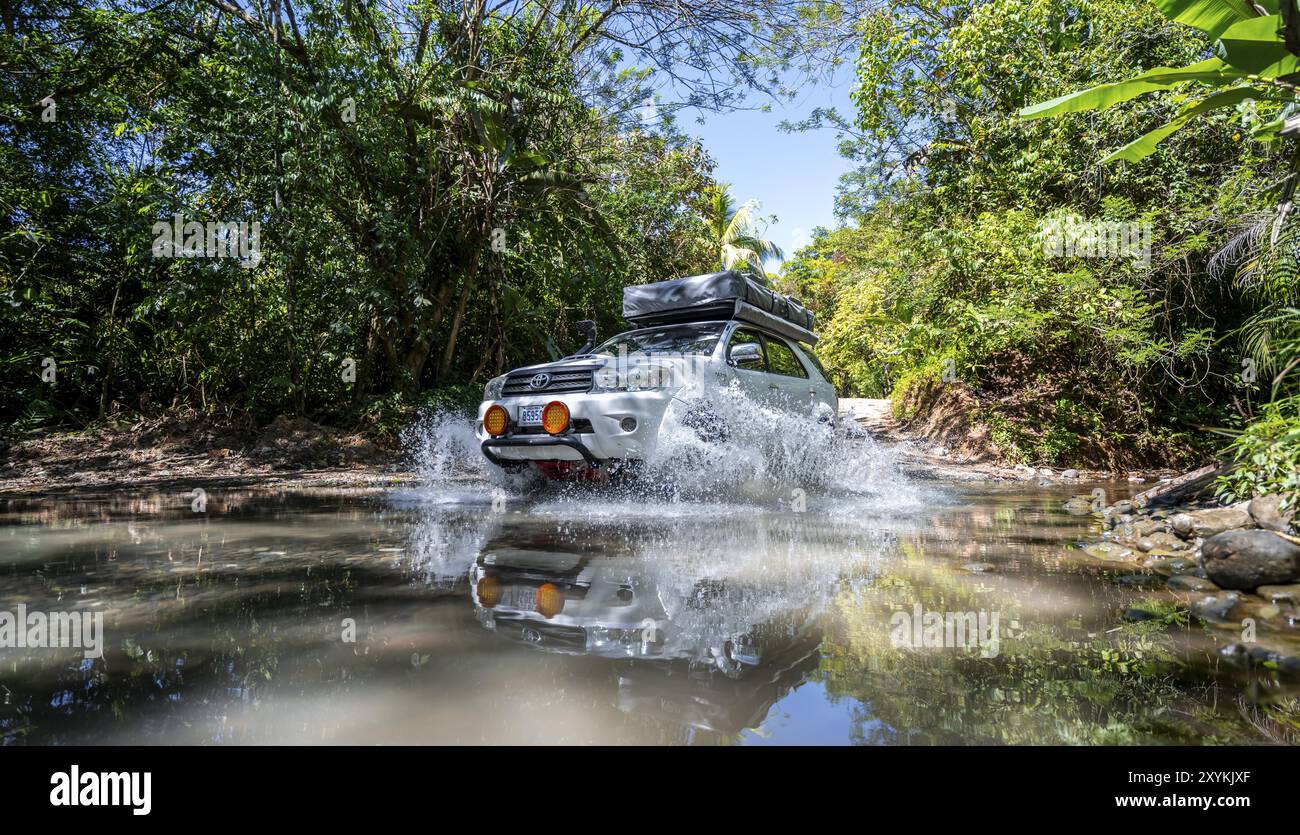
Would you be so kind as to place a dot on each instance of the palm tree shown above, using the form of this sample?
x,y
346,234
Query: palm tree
x,y
731,229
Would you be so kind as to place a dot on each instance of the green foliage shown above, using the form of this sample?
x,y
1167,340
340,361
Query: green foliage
x,y
1258,53
1268,451
440,197
1108,357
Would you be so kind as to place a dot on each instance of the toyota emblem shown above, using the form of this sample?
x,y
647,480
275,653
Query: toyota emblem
x,y
540,381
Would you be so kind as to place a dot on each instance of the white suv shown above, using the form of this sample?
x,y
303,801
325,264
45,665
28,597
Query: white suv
x,y
607,405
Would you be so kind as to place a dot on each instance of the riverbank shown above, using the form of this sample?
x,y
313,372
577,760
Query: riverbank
x,y
1235,568
195,452
945,457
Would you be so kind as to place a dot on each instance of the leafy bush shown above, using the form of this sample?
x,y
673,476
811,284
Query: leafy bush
x,y
1113,359
1267,453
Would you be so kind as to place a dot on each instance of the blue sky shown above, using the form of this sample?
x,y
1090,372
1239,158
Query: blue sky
x,y
793,174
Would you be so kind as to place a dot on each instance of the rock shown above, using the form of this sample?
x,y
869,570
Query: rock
x,y
1263,655
1149,526
1268,513
1137,615
1108,551
1126,531
1078,506
979,567
1133,479
1046,472
1121,507
1158,554
1249,559
1209,522
1174,565
1070,474
1237,655
1159,540
1140,580
1266,612
1217,608
1189,582
1280,594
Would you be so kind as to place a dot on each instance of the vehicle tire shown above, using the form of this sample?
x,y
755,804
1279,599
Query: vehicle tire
x,y
707,424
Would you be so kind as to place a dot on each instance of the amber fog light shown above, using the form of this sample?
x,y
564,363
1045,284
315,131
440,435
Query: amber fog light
x,y
489,592
495,421
550,600
555,417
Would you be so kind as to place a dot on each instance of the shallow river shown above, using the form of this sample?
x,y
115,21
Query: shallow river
x,y
462,613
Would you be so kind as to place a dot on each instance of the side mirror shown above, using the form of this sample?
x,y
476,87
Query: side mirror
x,y
745,355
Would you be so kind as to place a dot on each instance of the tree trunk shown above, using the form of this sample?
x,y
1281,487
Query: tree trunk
x,y
450,351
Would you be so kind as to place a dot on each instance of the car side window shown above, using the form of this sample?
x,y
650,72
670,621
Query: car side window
x,y
782,360
745,350
808,352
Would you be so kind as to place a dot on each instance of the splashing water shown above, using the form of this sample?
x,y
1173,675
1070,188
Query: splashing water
x,y
441,446
763,449
762,455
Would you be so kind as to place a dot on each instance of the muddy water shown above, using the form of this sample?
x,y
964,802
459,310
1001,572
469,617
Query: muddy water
x,y
465,613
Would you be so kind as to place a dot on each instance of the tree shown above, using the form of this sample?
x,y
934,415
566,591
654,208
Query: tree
x,y
441,188
1255,64
732,231
946,275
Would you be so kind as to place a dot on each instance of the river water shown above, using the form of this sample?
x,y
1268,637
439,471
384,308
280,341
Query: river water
x,y
474,610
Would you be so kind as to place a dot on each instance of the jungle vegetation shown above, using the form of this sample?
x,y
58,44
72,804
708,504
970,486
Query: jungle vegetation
x,y
441,189
432,192
1170,321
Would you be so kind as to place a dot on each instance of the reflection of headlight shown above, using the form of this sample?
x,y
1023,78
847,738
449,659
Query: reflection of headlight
x,y
634,378
492,391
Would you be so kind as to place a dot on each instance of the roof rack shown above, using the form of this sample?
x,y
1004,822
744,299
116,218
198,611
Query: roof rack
x,y
722,295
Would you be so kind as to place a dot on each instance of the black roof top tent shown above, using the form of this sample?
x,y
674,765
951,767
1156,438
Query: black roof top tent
x,y
724,295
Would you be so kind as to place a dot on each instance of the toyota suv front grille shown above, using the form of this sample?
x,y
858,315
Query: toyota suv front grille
x,y
546,382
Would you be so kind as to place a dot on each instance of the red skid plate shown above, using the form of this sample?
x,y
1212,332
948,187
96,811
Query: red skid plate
x,y
568,470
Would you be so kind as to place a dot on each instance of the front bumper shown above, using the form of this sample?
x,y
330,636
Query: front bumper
x,y
600,415
537,443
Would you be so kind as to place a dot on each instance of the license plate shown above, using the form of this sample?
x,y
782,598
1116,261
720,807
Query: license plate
x,y
523,598
530,416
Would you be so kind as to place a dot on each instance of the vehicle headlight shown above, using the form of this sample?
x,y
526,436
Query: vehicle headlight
x,y
640,377
492,391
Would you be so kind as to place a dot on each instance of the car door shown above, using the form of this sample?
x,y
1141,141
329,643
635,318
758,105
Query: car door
x,y
789,379
748,362
821,387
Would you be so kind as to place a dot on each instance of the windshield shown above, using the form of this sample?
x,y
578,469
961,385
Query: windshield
x,y
694,338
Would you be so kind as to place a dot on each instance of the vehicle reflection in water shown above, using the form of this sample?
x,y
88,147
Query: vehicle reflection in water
x,y
360,619
702,656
